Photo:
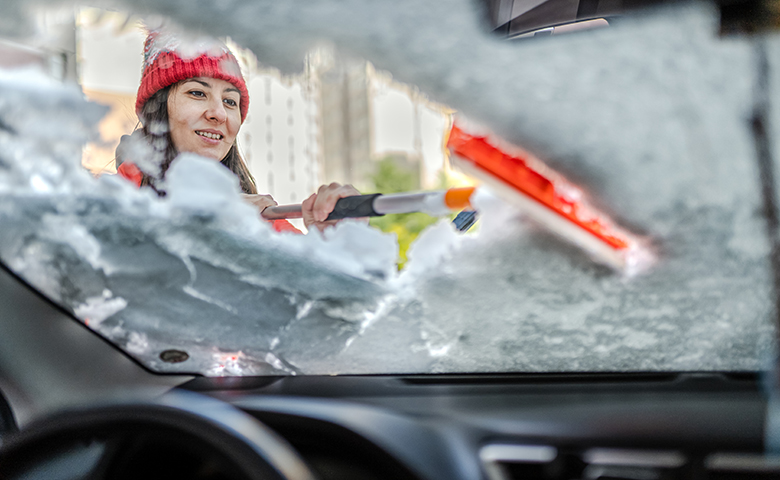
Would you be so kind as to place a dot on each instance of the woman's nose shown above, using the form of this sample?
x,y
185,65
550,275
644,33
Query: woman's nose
x,y
216,111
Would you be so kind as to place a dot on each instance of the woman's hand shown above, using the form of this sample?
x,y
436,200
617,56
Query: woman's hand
x,y
260,201
316,208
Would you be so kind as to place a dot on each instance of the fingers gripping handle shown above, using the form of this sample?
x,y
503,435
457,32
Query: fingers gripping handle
x,y
354,207
347,207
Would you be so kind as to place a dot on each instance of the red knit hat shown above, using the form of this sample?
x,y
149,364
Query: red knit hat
x,y
167,61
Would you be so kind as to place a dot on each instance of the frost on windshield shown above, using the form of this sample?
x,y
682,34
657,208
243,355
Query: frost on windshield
x,y
650,116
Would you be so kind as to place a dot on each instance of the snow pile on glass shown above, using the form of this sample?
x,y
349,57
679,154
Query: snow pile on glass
x,y
651,116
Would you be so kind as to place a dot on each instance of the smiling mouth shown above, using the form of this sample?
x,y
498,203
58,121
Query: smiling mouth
x,y
212,136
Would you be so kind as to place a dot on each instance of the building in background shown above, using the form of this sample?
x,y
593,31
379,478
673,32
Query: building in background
x,y
54,53
410,129
345,121
109,57
280,137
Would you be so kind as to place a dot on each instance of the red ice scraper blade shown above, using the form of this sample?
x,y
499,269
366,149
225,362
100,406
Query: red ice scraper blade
x,y
524,181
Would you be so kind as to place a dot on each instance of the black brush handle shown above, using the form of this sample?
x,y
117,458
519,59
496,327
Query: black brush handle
x,y
355,207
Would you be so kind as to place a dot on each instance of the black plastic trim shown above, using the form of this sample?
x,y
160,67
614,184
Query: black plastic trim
x,y
7,420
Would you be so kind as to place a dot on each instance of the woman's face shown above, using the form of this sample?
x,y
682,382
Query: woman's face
x,y
204,116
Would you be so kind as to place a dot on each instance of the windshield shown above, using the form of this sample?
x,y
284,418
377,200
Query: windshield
x,y
625,194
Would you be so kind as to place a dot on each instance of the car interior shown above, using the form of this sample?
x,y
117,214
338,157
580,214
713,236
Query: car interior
x,y
78,402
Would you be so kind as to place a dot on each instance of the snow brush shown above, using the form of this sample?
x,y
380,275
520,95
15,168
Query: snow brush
x,y
519,179
434,203
525,182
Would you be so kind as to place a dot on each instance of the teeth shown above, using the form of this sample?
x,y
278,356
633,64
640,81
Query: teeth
x,y
213,136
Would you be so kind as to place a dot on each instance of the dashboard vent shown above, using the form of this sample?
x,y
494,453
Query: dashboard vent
x,y
515,462
544,462
507,462
602,463
739,466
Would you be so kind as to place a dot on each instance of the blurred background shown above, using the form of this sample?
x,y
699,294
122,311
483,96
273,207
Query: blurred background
x,y
339,120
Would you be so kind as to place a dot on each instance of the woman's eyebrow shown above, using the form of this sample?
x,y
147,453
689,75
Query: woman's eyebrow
x,y
205,84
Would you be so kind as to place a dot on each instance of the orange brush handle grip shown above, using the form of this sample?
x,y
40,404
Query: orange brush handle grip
x,y
458,198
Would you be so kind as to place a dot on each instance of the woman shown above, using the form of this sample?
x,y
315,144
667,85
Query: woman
x,y
197,103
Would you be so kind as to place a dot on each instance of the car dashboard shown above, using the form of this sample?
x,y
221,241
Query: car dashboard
x,y
676,425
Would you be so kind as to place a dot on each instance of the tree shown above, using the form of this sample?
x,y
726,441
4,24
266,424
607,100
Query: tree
x,y
393,177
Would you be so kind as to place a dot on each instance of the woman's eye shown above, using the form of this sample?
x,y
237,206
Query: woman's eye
x,y
197,93
231,102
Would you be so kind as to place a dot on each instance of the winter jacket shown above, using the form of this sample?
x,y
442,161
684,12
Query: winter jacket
x,y
131,172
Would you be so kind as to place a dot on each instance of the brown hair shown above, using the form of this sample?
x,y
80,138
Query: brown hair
x,y
154,124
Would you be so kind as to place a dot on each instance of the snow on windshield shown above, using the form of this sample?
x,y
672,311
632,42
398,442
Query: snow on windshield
x,y
651,116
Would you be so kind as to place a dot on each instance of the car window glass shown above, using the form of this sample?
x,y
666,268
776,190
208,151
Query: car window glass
x,y
645,149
